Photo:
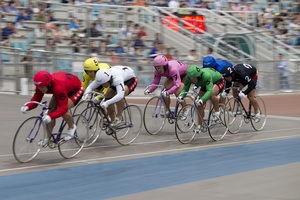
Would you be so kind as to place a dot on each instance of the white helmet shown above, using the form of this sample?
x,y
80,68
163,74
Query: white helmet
x,y
103,76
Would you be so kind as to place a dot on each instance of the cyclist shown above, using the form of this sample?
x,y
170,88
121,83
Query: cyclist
x,y
243,75
90,67
174,71
66,90
122,81
211,83
217,64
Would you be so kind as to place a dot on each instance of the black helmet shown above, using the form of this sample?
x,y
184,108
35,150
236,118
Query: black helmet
x,y
227,71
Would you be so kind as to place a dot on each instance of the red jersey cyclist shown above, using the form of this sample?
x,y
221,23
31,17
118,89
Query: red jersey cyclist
x,y
242,75
67,90
174,71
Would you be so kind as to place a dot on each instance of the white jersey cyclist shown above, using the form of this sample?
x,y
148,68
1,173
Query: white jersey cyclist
x,y
118,76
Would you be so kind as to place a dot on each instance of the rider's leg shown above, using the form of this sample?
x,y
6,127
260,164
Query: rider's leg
x,y
214,98
251,97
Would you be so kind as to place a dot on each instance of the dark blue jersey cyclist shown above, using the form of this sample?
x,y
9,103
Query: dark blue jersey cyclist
x,y
217,64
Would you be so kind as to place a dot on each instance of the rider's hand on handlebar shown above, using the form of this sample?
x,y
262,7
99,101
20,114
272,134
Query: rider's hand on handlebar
x,y
180,99
46,119
199,102
96,100
224,94
146,92
24,109
165,93
104,105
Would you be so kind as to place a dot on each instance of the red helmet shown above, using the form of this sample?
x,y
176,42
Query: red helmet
x,y
42,78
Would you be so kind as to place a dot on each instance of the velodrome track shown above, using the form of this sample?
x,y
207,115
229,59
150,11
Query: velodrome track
x,y
261,165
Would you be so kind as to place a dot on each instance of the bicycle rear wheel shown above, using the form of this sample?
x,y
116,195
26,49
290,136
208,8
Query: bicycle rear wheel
x,y
95,119
27,137
130,127
187,119
154,115
218,126
259,123
236,117
70,148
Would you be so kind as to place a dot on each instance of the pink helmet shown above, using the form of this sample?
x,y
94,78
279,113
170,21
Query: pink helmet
x,y
160,60
42,78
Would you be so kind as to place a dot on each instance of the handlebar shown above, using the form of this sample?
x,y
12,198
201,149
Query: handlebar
x,y
43,104
94,94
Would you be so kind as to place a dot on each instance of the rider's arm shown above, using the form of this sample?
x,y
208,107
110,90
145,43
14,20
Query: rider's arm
x,y
177,83
38,96
209,88
228,86
85,80
251,85
119,94
185,89
94,84
155,81
62,102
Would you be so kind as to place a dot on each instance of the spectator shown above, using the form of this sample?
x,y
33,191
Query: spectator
x,y
209,52
40,31
136,30
51,45
11,8
27,63
100,26
103,48
3,8
119,50
157,38
10,29
76,41
74,24
168,54
92,31
192,55
108,39
138,42
129,49
174,6
29,10
21,23
126,31
93,50
22,15
67,32
143,33
283,72
176,55
156,49
114,57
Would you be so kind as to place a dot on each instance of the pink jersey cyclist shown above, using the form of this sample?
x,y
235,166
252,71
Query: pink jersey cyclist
x,y
173,69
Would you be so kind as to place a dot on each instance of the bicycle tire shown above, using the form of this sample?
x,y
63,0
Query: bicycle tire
x,y
184,125
236,117
95,119
131,125
154,115
218,127
27,137
259,124
82,105
71,148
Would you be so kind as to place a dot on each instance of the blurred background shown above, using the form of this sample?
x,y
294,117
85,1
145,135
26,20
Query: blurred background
x,y
58,35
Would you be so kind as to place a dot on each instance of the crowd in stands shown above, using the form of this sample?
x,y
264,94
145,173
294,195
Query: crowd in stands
x,y
132,39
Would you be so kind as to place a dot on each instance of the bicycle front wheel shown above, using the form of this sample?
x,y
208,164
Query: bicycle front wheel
x,y
259,123
130,127
154,115
27,137
95,119
236,117
81,106
187,119
70,148
218,125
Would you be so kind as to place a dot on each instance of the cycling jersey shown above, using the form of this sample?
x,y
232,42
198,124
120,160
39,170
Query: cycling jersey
x,y
208,77
62,85
119,75
245,74
220,64
176,70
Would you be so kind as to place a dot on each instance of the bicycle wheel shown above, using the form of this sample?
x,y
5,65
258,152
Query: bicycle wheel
x,y
259,124
130,127
154,115
81,106
70,148
218,125
27,137
236,118
95,119
187,119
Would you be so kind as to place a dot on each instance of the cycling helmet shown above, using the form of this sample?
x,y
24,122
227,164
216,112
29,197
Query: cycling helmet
x,y
103,76
193,71
104,66
160,60
91,64
209,61
42,78
227,71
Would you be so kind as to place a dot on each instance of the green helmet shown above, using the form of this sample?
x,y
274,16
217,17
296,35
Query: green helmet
x,y
193,71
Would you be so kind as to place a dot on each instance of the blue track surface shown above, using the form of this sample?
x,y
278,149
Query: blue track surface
x,y
113,179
